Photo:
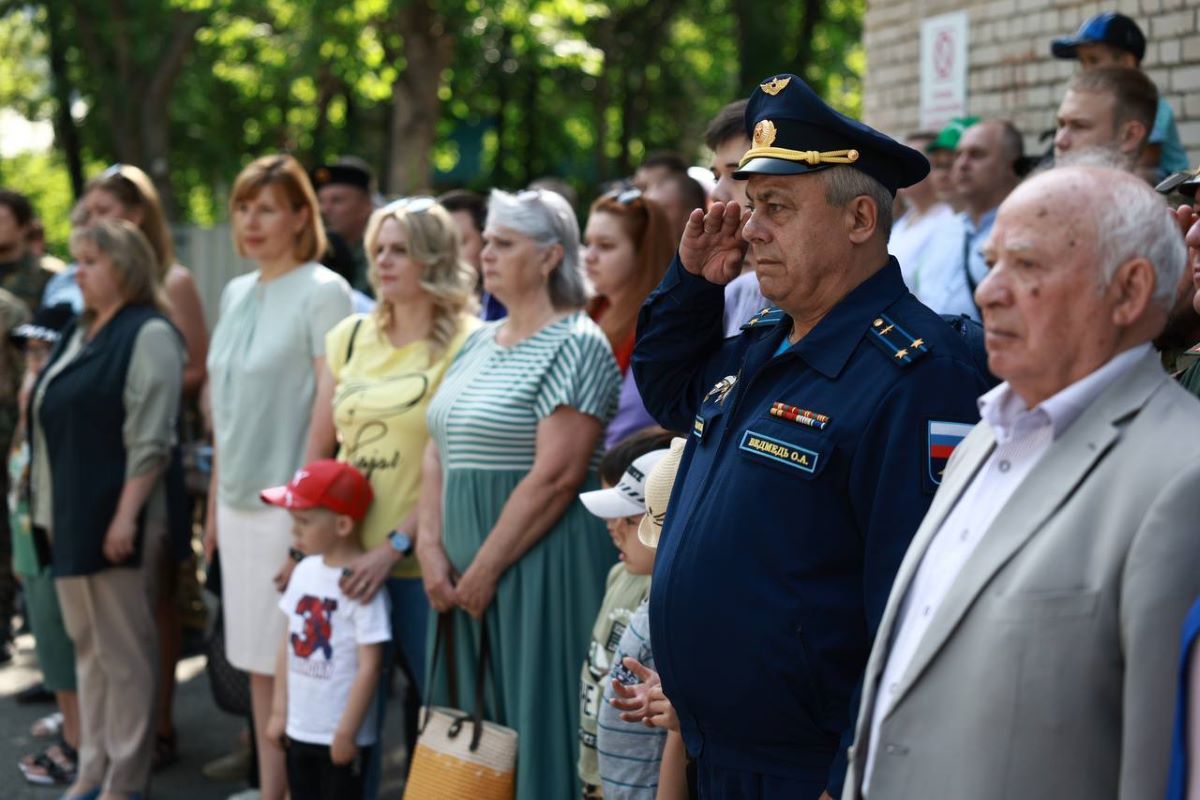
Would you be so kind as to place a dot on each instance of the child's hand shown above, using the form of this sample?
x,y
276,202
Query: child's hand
x,y
276,727
660,712
633,701
343,750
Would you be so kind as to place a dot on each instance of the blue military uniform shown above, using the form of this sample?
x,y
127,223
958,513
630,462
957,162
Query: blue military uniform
x,y
807,471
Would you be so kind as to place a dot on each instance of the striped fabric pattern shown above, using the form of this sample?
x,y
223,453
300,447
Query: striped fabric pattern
x,y
485,415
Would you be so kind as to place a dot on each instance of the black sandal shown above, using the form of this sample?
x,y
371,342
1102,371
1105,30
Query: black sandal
x,y
166,752
45,769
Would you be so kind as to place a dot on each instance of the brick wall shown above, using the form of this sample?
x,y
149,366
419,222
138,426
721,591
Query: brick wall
x,y
1011,73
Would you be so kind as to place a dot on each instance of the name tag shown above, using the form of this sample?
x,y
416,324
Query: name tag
x,y
779,451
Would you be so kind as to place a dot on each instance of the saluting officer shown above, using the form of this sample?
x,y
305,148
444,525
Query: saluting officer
x,y
818,437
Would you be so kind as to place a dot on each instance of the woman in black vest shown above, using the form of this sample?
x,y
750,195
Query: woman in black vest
x,y
104,415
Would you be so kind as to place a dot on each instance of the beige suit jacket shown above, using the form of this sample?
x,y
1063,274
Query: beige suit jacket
x,y
1049,671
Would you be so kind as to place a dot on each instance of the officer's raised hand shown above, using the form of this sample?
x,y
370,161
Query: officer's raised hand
x,y
712,245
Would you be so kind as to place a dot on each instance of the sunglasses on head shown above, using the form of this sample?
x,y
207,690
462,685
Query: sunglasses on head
x,y
411,205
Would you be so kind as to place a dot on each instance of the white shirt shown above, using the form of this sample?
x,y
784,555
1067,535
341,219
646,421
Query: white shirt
x,y
1023,435
742,301
915,243
325,629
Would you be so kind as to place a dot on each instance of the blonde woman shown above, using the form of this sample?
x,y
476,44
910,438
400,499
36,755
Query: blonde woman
x,y
270,398
104,412
386,366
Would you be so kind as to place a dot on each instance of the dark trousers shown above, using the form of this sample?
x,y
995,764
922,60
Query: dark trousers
x,y
719,783
312,775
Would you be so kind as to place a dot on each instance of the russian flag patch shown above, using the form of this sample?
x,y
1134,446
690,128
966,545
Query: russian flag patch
x,y
943,438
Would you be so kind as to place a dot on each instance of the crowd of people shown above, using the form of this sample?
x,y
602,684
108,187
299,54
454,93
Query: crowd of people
x,y
886,439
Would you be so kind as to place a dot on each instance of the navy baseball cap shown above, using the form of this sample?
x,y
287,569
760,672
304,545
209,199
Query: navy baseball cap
x,y
1110,28
793,131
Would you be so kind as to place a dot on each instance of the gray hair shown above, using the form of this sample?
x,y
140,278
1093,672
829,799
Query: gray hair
x,y
843,184
548,219
1132,221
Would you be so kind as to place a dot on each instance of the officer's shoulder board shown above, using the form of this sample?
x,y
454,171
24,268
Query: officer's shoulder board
x,y
902,346
765,318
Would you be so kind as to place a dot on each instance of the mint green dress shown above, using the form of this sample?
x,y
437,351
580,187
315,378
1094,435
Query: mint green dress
x,y
484,420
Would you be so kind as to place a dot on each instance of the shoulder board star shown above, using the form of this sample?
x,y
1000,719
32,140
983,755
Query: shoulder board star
x,y
765,318
901,347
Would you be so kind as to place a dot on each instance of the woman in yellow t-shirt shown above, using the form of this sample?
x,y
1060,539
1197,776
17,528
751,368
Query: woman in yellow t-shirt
x,y
386,366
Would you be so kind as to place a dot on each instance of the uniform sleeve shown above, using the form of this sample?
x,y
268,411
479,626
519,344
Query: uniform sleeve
x,y
153,385
328,305
681,350
372,624
583,376
887,487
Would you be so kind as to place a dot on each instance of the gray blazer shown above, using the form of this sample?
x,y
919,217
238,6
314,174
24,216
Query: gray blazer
x,y
1049,669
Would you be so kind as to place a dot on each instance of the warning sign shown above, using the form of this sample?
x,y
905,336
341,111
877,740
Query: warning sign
x,y
943,68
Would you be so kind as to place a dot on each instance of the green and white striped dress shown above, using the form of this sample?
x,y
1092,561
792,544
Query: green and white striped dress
x,y
484,421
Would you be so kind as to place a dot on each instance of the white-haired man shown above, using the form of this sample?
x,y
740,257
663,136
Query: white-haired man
x,y
1028,647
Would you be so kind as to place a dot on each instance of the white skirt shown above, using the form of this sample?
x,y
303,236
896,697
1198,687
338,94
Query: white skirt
x,y
253,545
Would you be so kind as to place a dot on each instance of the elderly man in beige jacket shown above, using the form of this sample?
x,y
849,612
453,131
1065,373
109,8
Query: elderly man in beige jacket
x,y
1028,648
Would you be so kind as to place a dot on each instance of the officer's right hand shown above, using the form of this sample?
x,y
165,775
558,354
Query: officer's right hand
x,y
712,245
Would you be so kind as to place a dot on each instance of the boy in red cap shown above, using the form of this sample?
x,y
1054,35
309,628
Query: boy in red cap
x,y
329,660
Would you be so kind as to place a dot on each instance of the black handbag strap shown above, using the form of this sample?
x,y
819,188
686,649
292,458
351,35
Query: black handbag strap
x,y
445,632
350,344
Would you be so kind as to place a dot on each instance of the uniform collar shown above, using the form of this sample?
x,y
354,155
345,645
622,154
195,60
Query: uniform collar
x,y
827,347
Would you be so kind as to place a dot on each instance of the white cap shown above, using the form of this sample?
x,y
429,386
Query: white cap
x,y
628,497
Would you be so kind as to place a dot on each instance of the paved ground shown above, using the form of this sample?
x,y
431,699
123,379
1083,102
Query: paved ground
x,y
204,733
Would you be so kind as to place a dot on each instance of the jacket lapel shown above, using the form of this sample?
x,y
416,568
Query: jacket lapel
x,y
1049,484
969,456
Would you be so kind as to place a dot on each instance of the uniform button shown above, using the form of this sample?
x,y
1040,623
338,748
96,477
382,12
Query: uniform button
x,y
962,537
893,687
891,748
895,750
1004,465
927,610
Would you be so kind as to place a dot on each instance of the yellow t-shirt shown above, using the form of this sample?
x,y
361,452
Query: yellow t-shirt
x,y
379,410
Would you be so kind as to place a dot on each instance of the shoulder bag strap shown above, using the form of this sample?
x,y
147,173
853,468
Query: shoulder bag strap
x,y
350,344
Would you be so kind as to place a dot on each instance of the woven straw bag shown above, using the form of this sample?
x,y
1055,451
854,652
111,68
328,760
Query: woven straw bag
x,y
459,756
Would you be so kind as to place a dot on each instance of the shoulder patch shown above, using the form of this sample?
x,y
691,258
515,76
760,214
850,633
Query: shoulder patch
x,y
942,437
901,346
765,318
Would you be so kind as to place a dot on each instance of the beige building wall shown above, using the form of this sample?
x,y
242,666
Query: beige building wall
x,y
1011,73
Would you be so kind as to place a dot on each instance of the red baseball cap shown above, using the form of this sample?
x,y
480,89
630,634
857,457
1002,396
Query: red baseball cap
x,y
334,485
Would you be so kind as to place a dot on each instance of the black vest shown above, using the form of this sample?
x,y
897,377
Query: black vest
x,y
82,417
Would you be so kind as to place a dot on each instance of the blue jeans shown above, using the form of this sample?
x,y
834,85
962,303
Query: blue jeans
x,y
410,619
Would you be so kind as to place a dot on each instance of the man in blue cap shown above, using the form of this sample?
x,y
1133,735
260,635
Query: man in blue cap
x,y
1114,40
818,437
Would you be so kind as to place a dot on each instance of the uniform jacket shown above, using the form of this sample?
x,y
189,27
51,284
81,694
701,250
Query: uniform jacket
x,y
1049,669
783,534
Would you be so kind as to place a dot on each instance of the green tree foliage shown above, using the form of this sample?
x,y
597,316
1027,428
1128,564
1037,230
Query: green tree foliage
x,y
507,90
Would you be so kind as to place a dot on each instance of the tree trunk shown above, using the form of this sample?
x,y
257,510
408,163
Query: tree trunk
x,y
415,103
65,131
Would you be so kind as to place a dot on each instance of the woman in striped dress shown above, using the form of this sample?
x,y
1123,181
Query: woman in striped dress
x,y
516,429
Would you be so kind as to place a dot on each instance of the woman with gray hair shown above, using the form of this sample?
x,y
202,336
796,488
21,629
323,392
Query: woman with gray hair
x,y
103,441
516,429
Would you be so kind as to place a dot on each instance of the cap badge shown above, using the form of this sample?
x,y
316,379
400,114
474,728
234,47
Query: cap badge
x,y
775,85
764,133
322,175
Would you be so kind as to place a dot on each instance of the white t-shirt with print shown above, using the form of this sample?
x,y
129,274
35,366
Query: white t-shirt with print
x,y
325,629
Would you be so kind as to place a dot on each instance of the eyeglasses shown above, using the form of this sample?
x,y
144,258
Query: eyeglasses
x,y
411,205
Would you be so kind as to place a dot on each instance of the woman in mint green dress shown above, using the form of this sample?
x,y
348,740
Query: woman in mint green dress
x,y
516,430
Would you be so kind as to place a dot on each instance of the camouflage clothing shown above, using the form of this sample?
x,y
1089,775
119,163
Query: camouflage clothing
x,y
27,279
12,313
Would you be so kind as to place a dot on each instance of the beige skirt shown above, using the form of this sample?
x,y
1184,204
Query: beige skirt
x,y
253,545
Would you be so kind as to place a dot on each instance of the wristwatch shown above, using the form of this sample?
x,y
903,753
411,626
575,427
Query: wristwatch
x,y
401,542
